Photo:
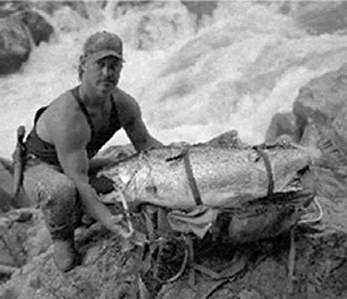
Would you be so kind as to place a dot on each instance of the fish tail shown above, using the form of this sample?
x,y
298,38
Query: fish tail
x,y
332,146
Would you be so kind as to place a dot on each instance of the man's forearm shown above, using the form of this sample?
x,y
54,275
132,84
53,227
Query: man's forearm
x,y
97,163
92,205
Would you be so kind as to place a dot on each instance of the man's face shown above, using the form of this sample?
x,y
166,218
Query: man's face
x,y
103,74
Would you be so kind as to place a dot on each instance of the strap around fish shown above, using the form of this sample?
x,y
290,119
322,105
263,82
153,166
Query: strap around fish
x,y
191,179
267,163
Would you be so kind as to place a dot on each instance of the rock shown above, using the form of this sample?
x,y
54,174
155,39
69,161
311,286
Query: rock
x,y
321,99
15,45
22,237
321,17
282,124
6,188
18,29
339,124
321,119
5,201
102,275
6,185
9,7
200,8
39,28
227,139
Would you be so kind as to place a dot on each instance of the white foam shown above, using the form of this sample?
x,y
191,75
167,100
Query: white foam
x,y
246,64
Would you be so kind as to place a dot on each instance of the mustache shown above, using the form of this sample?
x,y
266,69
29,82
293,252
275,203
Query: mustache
x,y
109,80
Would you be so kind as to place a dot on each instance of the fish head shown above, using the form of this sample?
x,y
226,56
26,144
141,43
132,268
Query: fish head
x,y
126,174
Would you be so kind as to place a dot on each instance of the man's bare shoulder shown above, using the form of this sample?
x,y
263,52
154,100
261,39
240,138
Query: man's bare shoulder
x,y
63,120
125,101
123,98
126,104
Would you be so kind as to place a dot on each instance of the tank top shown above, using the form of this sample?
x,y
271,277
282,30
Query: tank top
x,y
46,152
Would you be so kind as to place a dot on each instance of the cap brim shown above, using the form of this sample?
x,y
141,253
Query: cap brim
x,y
103,54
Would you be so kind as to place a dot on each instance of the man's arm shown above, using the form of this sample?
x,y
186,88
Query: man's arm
x,y
134,126
70,145
139,136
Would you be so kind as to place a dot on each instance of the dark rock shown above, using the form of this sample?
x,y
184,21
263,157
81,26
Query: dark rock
x,y
18,28
6,12
339,124
15,45
282,124
321,113
107,271
321,99
8,8
200,8
322,17
228,139
6,189
39,28
22,237
6,184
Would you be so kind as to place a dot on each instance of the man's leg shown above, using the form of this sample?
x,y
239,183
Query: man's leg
x,y
56,195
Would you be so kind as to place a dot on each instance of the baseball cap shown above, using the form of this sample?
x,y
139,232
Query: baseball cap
x,y
102,44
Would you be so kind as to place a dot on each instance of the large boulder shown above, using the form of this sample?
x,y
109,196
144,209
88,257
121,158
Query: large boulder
x,y
17,32
15,45
322,99
39,28
321,17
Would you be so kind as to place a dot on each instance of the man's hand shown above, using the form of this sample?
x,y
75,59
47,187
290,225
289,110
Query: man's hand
x,y
114,225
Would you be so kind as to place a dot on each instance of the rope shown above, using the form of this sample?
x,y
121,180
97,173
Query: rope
x,y
317,219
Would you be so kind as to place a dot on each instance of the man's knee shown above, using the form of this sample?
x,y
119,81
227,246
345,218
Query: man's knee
x,y
62,192
45,186
58,203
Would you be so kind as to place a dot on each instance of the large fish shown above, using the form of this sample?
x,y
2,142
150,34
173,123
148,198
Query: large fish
x,y
228,178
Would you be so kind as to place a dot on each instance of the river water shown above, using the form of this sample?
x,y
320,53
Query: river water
x,y
234,69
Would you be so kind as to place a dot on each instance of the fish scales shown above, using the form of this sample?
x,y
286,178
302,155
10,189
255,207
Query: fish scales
x,y
225,177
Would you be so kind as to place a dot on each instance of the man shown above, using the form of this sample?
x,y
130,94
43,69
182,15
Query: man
x,y
66,136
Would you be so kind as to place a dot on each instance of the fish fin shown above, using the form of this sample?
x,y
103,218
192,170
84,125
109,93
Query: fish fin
x,y
332,146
